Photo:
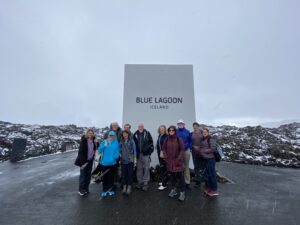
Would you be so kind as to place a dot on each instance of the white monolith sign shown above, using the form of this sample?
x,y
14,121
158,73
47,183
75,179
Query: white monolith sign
x,y
158,94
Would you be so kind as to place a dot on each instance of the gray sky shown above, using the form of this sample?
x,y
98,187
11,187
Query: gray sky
x,y
63,62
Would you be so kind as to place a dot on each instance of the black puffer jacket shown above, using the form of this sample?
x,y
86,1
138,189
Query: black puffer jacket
x,y
83,151
147,147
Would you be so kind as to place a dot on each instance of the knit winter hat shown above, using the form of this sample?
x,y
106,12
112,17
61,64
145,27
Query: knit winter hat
x,y
112,133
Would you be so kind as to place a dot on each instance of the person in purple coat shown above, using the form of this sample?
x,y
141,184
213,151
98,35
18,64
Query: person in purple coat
x,y
173,153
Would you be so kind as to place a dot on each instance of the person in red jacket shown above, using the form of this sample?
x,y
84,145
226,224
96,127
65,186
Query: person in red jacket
x,y
173,153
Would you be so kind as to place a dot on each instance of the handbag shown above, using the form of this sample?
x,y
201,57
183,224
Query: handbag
x,y
161,154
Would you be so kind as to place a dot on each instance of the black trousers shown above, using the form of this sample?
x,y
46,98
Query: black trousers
x,y
199,168
85,177
163,173
108,178
177,177
127,174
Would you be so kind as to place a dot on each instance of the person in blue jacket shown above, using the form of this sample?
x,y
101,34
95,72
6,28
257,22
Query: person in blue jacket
x,y
110,152
185,134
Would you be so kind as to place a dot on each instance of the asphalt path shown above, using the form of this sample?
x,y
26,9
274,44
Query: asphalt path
x,y
44,191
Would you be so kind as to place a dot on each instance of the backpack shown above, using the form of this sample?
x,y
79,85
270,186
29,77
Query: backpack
x,y
219,155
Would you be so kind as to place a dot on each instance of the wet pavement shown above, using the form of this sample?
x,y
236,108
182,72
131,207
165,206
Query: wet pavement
x,y
44,191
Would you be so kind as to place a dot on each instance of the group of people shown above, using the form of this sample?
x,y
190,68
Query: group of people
x,y
132,152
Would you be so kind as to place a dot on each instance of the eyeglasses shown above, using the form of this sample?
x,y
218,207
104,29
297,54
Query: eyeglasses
x,y
171,130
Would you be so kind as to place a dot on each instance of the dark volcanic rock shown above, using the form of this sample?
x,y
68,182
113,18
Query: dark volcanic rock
x,y
262,146
41,140
252,145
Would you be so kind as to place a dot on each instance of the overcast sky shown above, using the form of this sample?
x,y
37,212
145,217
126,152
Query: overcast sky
x,y
62,62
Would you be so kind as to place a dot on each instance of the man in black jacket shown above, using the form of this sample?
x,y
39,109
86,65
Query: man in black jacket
x,y
144,146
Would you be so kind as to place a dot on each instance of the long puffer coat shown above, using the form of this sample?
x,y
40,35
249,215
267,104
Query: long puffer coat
x,y
173,151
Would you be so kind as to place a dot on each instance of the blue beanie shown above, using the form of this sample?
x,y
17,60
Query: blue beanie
x,y
111,133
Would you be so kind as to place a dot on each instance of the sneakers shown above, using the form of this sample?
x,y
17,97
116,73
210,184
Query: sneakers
x,y
111,193
172,193
181,196
81,193
128,192
212,193
206,190
161,188
105,193
160,184
124,189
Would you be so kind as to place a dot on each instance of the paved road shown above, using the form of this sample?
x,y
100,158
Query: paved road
x,y
44,191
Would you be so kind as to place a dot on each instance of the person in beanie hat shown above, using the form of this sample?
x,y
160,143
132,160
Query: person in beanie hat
x,y
110,153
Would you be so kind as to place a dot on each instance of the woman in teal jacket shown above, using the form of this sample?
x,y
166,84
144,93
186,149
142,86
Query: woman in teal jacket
x,y
110,152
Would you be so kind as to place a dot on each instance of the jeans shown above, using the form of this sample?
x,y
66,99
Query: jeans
x,y
211,174
85,177
177,177
127,174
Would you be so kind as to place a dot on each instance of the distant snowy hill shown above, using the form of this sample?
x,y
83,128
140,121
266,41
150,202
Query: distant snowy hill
x,y
253,145
279,123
